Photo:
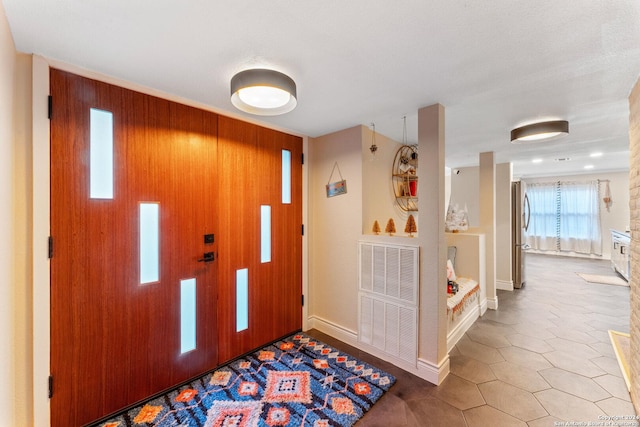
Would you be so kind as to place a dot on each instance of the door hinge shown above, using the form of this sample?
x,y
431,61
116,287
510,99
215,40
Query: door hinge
x,y
302,229
50,106
50,386
302,158
303,300
50,247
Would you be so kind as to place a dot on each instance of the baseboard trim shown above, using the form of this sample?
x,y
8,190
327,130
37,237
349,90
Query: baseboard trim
x,y
339,332
504,285
492,303
428,371
483,306
458,331
435,374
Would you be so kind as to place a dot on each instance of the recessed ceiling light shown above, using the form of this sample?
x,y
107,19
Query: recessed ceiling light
x,y
263,92
588,166
539,131
597,154
536,161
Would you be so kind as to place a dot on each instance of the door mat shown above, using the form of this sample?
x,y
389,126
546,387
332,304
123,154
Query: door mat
x,y
606,280
622,347
297,381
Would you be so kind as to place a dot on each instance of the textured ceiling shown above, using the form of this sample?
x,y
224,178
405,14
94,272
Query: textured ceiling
x,y
493,65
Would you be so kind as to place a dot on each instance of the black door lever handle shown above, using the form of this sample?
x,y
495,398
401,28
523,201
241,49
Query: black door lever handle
x,y
207,257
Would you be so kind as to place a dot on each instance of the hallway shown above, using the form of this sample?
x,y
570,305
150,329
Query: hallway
x,y
544,356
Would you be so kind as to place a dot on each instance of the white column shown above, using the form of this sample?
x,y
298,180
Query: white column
x,y
488,222
433,292
504,174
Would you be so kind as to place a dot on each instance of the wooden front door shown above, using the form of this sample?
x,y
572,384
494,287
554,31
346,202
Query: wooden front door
x,y
252,162
114,339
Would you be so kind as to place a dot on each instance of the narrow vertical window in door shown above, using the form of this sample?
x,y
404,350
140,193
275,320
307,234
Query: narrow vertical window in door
x,y
242,299
286,177
149,242
265,233
100,154
187,315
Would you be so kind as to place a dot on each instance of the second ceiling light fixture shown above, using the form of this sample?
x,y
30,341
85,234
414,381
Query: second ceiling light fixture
x,y
540,130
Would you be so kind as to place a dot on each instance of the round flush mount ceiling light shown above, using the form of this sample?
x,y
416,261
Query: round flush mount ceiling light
x,y
263,92
539,131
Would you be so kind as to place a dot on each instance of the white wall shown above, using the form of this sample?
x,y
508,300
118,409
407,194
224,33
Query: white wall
x,y
465,192
22,248
7,356
335,227
447,189
378,197
617,217
15,193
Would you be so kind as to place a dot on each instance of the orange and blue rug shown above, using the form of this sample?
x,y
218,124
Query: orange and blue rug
x,y
297,381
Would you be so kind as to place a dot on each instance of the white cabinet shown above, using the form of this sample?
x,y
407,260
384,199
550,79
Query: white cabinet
x,y
621,253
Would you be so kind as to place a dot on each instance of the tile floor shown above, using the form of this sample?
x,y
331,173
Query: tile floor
x,y
543,357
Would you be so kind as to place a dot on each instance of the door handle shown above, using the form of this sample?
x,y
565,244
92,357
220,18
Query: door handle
x,y
207,257
526,223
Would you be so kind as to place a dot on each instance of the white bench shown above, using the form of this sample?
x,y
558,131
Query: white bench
x,y
471,300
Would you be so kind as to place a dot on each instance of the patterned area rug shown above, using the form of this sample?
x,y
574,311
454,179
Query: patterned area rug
x,y
606,280
297,381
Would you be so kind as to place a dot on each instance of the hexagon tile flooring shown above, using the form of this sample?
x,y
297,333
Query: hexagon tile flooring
x,y
542,359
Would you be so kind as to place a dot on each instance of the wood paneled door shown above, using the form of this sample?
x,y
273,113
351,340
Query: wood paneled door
x,y
177,244
133,311
261,235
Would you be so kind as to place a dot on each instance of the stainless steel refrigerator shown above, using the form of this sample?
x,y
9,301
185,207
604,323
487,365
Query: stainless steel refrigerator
x,y
520,216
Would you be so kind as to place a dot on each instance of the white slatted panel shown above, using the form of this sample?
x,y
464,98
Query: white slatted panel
x,y
391,331
390,271
388,299
393,272
366,264
408,333
409,275
378,269
366,320
378,324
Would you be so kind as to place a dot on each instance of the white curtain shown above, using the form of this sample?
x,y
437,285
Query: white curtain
x,y
565,216
580,218
542,232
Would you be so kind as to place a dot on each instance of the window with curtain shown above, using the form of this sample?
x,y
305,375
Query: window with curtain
x,y
565,216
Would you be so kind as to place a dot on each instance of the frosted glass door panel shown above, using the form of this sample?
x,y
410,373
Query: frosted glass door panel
x,y
101,154
187,315
242,300
149,242
286,177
